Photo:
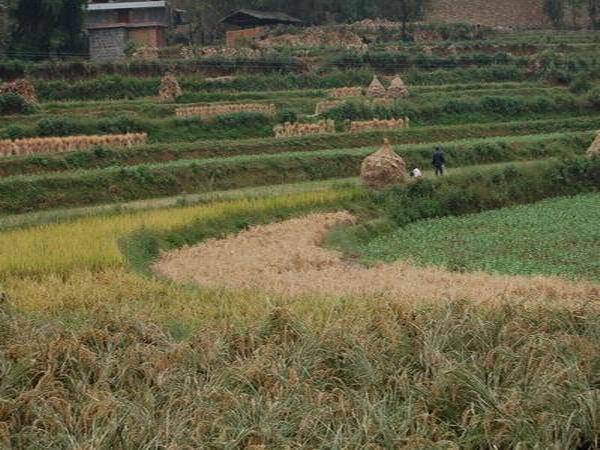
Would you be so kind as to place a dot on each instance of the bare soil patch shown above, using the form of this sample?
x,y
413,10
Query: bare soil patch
x,y
286,259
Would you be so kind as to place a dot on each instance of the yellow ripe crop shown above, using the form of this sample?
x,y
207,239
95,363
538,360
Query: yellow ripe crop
x,y
92,243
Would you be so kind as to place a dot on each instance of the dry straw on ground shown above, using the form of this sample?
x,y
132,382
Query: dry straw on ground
x,y
37,146
169,89
323,107
345,92
377,124
303,129
397,88
376,89
147,53
286,258
213,110
594,149
383,168
23,88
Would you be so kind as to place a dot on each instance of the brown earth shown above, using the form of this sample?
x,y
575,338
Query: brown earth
x,y
286,258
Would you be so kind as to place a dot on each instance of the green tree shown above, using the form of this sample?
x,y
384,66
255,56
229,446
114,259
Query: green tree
x,y
594,10
47,28
555,10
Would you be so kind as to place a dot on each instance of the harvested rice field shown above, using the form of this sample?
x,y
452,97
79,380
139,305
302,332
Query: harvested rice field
x,y
191,258
288,259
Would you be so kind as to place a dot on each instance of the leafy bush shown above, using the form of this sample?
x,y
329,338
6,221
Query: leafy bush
x,y
286,115
391,62
13,132
120,125
505,105
57,126
11,103
594,98
242,119
581,83
478,191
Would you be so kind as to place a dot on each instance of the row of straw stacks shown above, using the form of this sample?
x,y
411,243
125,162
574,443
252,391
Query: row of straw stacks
x,y
37,146
169,89
345,92
377,124
218,110
303,129
396,90
22,88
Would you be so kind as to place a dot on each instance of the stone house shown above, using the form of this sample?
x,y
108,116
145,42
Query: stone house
x,y
111,26
248,23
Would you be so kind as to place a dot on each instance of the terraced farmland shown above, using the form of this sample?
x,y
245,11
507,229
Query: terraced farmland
x,y
218,287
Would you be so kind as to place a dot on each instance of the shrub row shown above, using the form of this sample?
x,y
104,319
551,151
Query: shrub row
x,y
101,157
508,106
78,69
11,103
118,87
19,194
441,109
123,87
238,125
392,62
480,191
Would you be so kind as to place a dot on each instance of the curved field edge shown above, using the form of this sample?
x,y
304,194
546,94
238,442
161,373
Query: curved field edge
x,y
556,237
492,188
96,242
93,243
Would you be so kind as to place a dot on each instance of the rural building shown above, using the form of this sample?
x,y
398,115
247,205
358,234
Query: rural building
x,y
249,23
111,26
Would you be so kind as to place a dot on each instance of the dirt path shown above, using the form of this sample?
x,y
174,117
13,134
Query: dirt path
x,y
286,258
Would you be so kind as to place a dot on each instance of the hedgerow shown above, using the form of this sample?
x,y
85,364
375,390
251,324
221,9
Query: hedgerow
x,y
227,148
18,194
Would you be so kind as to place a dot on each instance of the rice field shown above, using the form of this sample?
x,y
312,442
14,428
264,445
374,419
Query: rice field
x,y
93,242
251,333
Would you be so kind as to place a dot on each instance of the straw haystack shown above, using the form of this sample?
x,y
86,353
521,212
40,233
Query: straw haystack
x,y
398,89
23,88
384,168
376,89
594,149
169,89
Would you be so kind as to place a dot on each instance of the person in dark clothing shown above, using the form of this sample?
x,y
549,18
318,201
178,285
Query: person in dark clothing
x,y
438,161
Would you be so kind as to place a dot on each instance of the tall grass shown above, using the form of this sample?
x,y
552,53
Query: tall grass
x,y
344,374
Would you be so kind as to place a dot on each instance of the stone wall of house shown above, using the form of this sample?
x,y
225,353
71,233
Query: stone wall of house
x,y
233,36
505,13
107,44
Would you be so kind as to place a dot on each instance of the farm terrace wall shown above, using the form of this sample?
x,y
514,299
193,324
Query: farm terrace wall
x,y
516,13
107,44
233,36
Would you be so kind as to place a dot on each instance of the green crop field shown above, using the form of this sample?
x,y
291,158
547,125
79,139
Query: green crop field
x,y
558,237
